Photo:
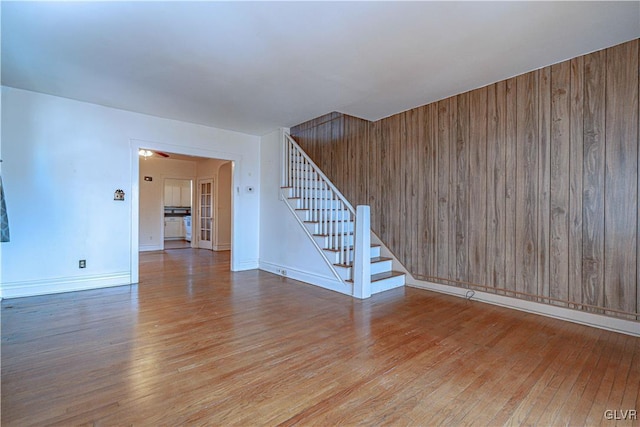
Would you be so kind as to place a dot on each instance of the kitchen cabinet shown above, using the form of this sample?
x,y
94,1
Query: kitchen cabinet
x,y
174,227
177,192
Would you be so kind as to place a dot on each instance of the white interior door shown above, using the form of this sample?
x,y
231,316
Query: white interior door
x,y
205,213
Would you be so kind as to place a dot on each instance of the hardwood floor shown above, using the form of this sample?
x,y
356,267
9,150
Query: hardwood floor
x,y
176,244
196,344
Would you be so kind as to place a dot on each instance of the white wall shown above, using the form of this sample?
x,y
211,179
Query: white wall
x,y
152,194
283,243
62,162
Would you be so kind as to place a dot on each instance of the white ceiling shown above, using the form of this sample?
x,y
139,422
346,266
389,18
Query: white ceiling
x,y
256,66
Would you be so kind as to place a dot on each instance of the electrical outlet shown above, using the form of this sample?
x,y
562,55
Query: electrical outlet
x,y
82,263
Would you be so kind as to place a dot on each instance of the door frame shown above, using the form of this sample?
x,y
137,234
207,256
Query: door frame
x,y
135,146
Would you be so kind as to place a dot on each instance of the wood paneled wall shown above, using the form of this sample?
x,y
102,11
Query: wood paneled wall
x,y
527,187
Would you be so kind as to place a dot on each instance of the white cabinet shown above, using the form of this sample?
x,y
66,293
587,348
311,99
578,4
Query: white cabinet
x,y
171,195
177,192
185,192
173,227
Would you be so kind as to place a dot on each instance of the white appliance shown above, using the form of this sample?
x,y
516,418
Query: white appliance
x,y
187,227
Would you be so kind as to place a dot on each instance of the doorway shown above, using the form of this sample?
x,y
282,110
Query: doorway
x,y
202,166
177,202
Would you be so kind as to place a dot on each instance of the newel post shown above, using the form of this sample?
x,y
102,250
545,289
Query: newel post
x,y
362,254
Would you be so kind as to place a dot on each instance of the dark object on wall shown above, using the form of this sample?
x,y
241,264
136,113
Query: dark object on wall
x,y
118,195
4,218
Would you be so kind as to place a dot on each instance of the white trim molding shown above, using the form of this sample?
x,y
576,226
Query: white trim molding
x,y
628,327
64,284
149,248
326,282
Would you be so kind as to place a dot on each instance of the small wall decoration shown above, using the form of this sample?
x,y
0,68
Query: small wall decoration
x,y
148,178
119,195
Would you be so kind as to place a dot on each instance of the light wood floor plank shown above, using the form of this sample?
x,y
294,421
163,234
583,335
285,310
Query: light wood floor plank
x,y
195,344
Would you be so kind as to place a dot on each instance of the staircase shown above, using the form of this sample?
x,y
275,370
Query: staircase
x,y
341,233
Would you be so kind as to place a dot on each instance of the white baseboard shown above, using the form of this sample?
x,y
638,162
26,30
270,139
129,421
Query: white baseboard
x,y
326,282
149,248
628,327
64,284
226,247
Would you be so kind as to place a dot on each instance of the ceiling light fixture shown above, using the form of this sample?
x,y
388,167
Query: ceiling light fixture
x,y
145,153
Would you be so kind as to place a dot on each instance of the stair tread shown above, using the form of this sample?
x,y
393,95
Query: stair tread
x,y
382,276
333,220
350,233
328,209
386,275
373,261
373,245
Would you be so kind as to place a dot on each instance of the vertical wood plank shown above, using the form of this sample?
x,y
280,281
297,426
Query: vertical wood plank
x,y
375,156
363,162
386,184
442,249
420,267
621,177
544,179
462,185
526,184
453,185
424,229
478,186
433,194
406,190
593,178
346,168
575,179
496,190
420,176
559,181
396,216
511,191
421,230
332,142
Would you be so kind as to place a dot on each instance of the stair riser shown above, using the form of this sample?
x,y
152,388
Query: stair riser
x,y
325,242
334,258
386,284
376,268
321,204
381,267
317,228
301,184
307,215
317,193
